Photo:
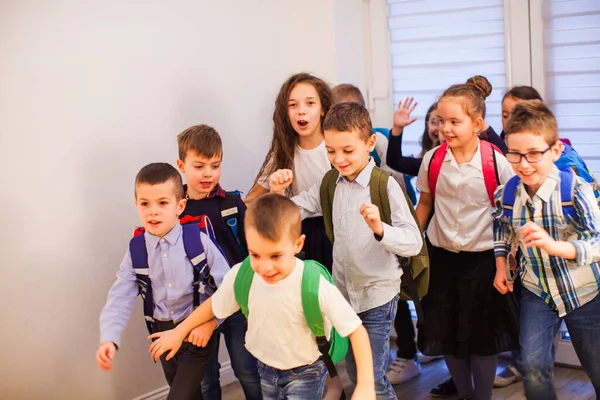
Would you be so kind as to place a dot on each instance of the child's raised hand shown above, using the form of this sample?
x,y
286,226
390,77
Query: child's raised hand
x,y
370,213
534,235
166,340
364,392
402,115
104,355
200,335
280,180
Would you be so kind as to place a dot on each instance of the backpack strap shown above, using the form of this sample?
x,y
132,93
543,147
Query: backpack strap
x,y
204,284
567,190
327,190
489,168
509,195
380,197
231,216
311,279
435,166
241,285
139,261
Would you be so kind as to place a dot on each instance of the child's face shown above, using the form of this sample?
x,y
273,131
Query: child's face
x,y
456,126
433,126
158,208
533,174
304,109
273,261
202,174
508,105
348,152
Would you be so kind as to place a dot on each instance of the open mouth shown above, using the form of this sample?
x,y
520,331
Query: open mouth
x,y
302,123
154,224
205,185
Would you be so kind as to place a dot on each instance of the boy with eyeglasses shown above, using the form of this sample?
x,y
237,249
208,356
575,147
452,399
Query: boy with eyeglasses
x,y
553,217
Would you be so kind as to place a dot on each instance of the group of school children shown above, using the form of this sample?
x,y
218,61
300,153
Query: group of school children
x,y
513,245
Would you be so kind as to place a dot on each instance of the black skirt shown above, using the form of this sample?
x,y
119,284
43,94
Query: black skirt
x,y
464,314
316,245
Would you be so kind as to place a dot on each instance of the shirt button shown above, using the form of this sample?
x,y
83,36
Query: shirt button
x,y
162,240
165,255
172,312
170,285
344,211
345,265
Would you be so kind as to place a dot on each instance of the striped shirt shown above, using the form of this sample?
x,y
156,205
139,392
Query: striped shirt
x,y
563,284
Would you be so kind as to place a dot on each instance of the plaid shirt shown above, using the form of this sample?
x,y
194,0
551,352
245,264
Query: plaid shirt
x,y
563,284
216,192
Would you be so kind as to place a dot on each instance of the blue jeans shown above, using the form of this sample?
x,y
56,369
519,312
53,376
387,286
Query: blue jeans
x,y
242,362
302,383
378,323
539,325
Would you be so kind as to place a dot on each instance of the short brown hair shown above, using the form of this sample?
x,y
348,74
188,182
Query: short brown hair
x,y
157,173
475,91
535,117
273,216
345,92
344,117
202,140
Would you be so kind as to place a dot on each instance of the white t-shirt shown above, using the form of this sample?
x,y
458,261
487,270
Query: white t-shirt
x,y
309,166
463,219
277,331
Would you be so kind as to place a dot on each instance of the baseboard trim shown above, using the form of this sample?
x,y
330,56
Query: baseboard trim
x,y
227,377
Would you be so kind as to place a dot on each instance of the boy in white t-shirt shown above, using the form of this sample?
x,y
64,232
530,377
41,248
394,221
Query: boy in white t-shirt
x,y
278,336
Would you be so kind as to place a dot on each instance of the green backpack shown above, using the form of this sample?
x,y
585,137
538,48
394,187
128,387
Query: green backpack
x,y
415,277
333,350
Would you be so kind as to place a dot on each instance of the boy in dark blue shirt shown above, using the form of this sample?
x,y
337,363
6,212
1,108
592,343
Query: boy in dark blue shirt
x,y
200,157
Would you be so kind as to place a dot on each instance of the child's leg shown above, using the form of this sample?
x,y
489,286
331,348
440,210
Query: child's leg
x,y
242,362
211,384
584,328
405,330
302,383
483,369
191,365
460,369
378,323
539,325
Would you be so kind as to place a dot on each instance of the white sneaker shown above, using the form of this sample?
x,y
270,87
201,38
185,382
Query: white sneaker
x,y
403,370
507,377
423,359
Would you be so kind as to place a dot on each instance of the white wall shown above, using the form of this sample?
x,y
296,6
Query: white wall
x,y
90,91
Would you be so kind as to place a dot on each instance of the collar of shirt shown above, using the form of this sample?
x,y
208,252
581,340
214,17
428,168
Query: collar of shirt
x,y
216,192
363,177
172,237
475,161
545,191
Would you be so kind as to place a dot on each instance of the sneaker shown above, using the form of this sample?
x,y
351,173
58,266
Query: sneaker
x,y
446,388
507,377
423,359
403,370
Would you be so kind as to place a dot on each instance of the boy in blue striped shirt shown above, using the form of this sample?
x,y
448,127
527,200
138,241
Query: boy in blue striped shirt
x,y
560,250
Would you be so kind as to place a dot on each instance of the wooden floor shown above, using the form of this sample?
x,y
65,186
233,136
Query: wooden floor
x,y
571,384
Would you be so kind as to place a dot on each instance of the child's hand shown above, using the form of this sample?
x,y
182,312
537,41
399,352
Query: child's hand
x,y
501,281
402,115
200,335
105,354
370,213
280,180
364,392
167,340
534,235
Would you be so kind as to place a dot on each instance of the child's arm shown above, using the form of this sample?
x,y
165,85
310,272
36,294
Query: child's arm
x,y
361,348
256,191
424,208
116,312
308,201
504,236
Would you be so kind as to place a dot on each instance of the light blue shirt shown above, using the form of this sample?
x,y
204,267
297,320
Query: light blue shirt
x,y
171,274
365,270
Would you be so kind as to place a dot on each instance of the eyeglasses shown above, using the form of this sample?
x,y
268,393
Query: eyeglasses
x,y
531,157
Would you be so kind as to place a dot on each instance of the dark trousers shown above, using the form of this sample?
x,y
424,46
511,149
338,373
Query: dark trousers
x,y
185,371
405,332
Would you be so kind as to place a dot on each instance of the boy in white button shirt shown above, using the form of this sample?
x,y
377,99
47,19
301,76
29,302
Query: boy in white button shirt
x,y
289,361
365,264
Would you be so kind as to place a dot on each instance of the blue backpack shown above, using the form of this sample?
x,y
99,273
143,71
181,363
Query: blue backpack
x,y
570,160
204,285
410,191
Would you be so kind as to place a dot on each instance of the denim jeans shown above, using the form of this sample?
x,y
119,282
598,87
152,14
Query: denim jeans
x,y
302,383
539,325
242,362
378,323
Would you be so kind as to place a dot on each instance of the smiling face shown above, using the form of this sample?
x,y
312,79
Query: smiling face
x,y
202,174
304,110
158,207
456,127
348,152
